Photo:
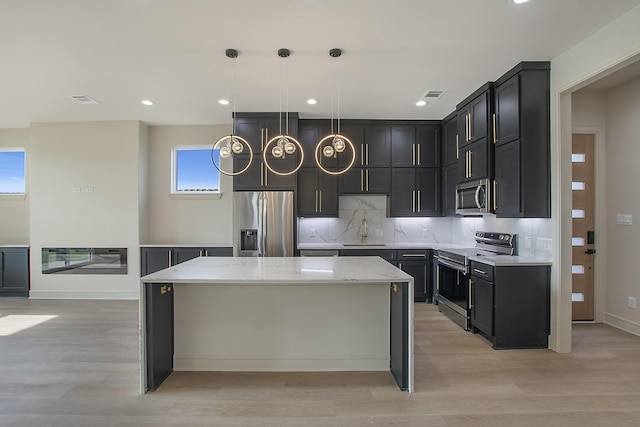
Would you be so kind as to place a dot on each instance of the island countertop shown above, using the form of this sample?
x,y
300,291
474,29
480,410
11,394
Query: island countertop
x,y
252,270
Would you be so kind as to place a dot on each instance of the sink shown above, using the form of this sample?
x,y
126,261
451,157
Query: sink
x,y
363,244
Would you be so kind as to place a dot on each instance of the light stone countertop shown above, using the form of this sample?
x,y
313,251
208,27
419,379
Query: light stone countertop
x,y
280,270
342,246
14,246
502,260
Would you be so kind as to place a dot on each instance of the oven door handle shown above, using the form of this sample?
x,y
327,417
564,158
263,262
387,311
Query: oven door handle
x,y
453,265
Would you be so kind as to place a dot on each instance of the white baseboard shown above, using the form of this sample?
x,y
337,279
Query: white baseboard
x,y
274,363
120,295
620,323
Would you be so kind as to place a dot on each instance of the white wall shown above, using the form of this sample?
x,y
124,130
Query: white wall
x,y
103,156
14,210
185,219
622,197
605,50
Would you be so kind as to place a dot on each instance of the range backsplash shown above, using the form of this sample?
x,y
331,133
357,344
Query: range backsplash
x,y
381,229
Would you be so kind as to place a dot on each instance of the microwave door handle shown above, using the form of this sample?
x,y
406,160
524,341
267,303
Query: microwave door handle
x,y
478,196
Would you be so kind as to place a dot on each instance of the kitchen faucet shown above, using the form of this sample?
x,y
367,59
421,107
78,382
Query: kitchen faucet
x,y
363,230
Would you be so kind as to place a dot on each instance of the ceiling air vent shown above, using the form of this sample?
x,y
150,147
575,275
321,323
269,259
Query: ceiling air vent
x,y
84,99
433,95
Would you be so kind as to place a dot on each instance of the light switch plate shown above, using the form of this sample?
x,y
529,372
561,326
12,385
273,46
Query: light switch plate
x,y
527,242
624,219
544,244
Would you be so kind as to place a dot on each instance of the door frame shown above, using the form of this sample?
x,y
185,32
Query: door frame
x,y
600,213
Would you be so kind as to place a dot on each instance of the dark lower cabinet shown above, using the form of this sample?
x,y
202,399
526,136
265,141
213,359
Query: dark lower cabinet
x,y
418,263
399,331
510,305
154,259
14,272
159,333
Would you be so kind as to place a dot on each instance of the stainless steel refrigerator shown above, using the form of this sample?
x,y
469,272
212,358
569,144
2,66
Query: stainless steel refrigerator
x,y
263,223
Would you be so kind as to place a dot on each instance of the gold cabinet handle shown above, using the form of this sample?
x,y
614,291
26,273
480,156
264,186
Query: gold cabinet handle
x,y
413,201
470,127
201,252
320,201
418,154
470,295
477,270
413,256
495,134
362,154
413,154
394,286
466,127
419,207
170,256
361,179
470,163
316,201
164,289
457,148
495,195
367,153
367,179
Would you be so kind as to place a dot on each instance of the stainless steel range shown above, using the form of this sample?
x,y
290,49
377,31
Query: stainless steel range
x,y
452,272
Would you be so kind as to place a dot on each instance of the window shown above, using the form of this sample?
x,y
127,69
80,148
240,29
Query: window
x,y
192,170
12,171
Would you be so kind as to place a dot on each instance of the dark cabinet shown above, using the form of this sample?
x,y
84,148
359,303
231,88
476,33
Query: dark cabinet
x,y
510,304
449,182
258,177
415,145
376,149
522,159
399,334
476,161
258,129
364,181
159,333
415,192
317,193
157,258
474,114
310,133
450,139
14,272
418,263
386,254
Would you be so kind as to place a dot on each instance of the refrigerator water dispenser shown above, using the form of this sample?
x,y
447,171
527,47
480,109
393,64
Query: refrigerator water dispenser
x,y
249,239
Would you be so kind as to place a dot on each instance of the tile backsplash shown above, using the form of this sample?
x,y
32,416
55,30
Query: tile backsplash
x,y
381,229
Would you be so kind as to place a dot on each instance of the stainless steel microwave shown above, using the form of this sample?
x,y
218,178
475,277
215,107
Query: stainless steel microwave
x,y
474,198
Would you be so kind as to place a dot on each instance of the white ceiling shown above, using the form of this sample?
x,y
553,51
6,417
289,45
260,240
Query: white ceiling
x,y
122,51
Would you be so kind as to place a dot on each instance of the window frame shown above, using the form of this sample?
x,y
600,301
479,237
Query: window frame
x,y
174,178
23,194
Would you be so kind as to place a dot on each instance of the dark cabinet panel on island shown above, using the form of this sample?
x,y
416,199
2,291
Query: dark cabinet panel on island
x,y
14,272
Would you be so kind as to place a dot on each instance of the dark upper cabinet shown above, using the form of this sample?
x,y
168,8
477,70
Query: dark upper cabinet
x,y
14,272
354,131
474,114
415,192
364,181
415,145
376,151
522,153
450,139
259,128
258,177
449,182
310,132
317,193
476,161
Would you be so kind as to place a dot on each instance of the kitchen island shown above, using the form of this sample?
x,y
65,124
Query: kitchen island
x,y
277,314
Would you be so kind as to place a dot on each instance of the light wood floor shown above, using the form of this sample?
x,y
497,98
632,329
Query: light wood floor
x,y
81,369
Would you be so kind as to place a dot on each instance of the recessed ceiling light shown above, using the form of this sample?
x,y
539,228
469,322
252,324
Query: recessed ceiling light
x,y
421,103
520,1
312,101
223,102
147,102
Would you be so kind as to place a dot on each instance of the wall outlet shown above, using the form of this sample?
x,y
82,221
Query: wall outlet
x,y
76,190
527,242
624,219
312,232
544,244
425,232
631,302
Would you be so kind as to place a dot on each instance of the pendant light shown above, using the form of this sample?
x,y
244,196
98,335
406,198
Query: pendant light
x,y
334,144
231,145
283,144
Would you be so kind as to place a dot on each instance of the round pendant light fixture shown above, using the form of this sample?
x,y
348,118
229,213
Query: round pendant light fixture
x,y
334,144
283,145
231,145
